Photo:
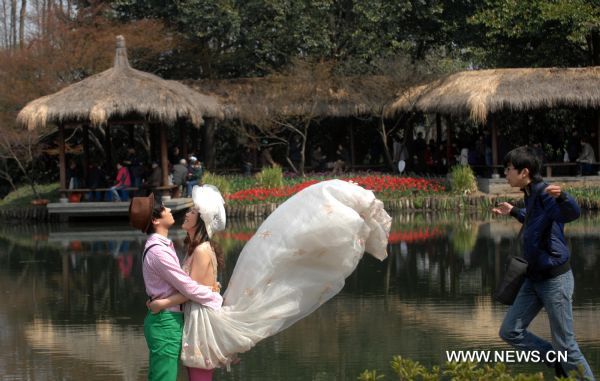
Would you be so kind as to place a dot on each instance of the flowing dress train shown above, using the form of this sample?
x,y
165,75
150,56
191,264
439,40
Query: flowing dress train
x,y
296,261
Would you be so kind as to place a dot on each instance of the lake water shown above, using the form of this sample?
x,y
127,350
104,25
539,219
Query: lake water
x,y
73,302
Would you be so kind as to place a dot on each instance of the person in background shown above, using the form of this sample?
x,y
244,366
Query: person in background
x,y
122,181
154,180
96,178
400,152
342,160
266,160
319,160
194,176
180,174
296,152
136,169
247,161
586,158
73,175
174,156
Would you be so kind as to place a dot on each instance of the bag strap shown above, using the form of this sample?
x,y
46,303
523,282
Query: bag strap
x,y
146,250
144,257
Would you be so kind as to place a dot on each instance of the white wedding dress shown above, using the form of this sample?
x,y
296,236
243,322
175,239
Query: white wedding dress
x,y
296,261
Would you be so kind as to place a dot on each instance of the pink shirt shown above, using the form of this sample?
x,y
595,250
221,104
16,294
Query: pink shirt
x,y
163,276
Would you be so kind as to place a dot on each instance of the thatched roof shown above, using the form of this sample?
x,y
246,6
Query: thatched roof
x,y
292,96
118,92
481,92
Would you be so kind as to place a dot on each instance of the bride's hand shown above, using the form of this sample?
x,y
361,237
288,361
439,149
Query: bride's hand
x,y
156,305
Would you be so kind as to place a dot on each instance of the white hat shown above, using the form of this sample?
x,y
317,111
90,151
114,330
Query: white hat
x,y
193,158
211,206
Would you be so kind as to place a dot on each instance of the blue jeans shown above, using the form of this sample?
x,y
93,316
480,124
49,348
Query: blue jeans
x,y
190,185
556,296
117,193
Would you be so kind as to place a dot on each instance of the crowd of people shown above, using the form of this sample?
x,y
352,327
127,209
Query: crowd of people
x,y
133,175
415,156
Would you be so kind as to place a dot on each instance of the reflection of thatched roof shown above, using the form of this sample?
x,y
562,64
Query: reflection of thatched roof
x,y
104,343
292,96
117,92
481,92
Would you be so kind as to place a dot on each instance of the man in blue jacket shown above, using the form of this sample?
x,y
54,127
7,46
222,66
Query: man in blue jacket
x,y
549,282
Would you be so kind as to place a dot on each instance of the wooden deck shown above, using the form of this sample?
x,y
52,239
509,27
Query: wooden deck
x,y
500,186
67,210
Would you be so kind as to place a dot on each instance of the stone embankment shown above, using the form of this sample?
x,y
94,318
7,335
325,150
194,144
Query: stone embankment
x,y
479,202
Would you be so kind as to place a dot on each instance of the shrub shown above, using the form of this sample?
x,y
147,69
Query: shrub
x,y
462,179
221,182
406,369
270,177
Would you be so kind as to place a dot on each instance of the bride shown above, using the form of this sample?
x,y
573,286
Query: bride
x,y
296,261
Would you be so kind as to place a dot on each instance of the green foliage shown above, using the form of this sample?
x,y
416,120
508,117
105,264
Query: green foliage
x,y
270,177
254,37
409,370
586,197
464,237
462,179
221,182
370,375
24,195
538,32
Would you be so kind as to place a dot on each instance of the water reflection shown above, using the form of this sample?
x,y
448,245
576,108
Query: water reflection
x,y
74,301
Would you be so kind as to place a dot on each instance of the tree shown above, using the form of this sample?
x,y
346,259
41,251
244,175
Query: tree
x,y
257,37
539,32
61,49
287,106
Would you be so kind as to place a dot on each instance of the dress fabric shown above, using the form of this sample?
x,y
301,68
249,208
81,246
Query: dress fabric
x,y
297,260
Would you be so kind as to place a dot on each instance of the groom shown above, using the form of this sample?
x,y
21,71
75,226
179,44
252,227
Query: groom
x,y
163,277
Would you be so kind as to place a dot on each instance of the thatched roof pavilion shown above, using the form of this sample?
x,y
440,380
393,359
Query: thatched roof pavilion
x,y
482,93
308,95
293,97
120,95
479,93
118,92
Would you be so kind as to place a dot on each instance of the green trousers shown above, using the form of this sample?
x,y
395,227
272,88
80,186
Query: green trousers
x,y
163,336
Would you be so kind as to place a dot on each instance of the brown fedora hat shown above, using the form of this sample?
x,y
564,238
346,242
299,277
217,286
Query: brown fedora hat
x,y
140,212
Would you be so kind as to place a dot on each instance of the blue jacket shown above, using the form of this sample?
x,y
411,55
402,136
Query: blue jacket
x,y
544,245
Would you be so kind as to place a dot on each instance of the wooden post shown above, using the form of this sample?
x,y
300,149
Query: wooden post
x,y
438,128
351,133
449,133
209,143
108,147
598,135
164,160
494,128
194,138
131,128
183,140
61,159
86,150
154,142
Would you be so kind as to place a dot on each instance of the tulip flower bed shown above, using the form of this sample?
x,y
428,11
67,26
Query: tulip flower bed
x,y
384,186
